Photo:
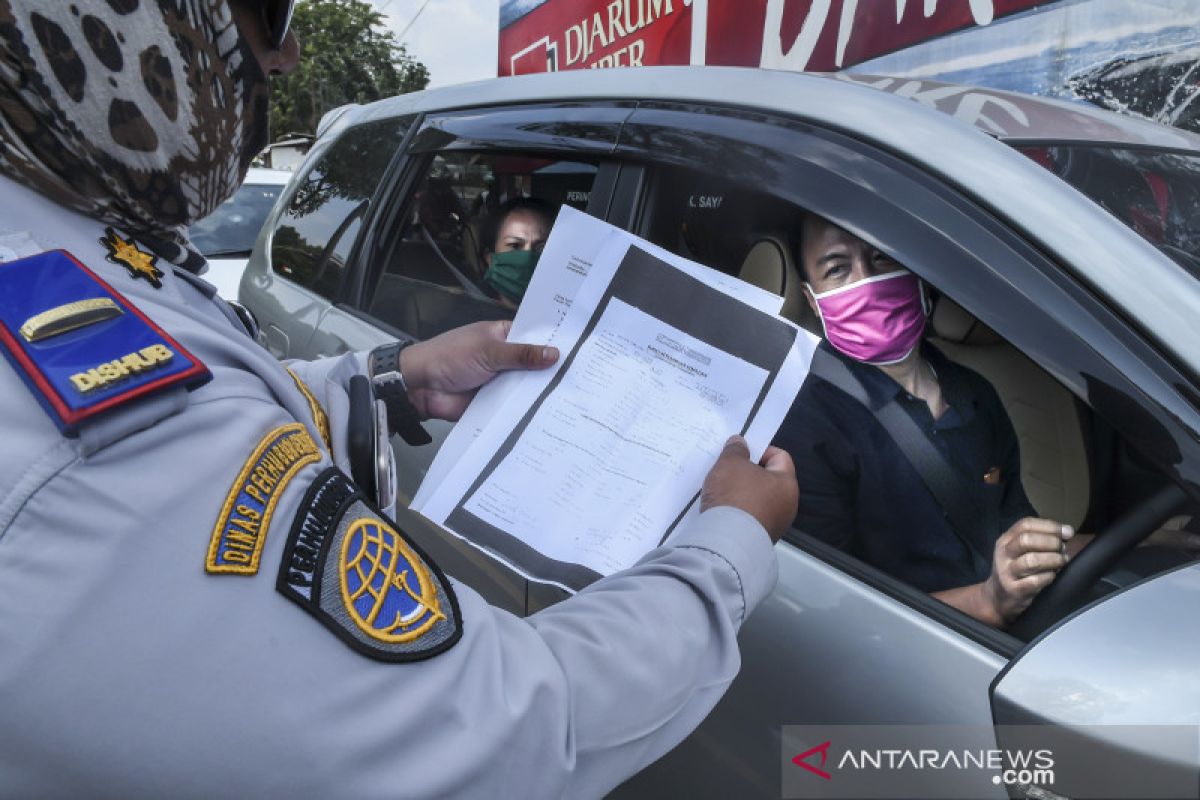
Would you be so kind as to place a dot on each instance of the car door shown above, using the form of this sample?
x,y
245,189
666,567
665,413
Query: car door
x,y
416,272
838,642
300,259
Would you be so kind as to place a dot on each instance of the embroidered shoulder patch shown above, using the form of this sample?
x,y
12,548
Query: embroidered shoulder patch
x,y
318,414
80,346
241,530
363,579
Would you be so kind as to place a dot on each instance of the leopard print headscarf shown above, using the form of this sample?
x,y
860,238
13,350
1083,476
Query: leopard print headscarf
x,y
143,114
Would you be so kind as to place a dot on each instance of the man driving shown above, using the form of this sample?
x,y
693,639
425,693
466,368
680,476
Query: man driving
x,y
858,492
861,492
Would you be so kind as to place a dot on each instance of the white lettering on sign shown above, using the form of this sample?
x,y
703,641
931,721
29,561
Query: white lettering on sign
x,y
621,19
797,55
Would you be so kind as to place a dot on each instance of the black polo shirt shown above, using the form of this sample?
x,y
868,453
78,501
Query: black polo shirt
x,y
859,493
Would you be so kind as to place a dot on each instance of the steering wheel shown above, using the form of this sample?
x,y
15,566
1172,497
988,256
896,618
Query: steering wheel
x,y
1075,579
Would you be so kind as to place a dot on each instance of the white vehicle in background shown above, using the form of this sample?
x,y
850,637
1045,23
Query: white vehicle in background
x,y
226,236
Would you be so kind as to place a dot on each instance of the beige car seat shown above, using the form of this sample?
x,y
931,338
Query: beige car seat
x,y
1047,419
768,265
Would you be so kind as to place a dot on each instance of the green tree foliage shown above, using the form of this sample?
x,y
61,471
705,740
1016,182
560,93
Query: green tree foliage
x,y
346,56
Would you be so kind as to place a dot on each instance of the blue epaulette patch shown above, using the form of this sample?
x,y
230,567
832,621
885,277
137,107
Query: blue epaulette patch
x,y
80,346
358,574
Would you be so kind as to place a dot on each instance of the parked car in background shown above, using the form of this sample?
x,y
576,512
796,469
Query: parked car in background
x,y
1062,245
226,236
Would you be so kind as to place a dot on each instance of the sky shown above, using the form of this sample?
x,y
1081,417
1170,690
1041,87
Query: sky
x,y
455,39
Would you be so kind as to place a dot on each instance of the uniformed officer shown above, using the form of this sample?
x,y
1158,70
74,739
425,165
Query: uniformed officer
x,y
194,599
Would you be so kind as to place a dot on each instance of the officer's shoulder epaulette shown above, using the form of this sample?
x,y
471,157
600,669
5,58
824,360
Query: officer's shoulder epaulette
x,y
81,347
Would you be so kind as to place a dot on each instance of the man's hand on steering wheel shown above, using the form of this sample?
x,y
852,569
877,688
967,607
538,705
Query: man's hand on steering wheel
x,y
1027,558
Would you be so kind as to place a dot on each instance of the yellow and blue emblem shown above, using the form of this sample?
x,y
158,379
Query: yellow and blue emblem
x,y
80,346
363,579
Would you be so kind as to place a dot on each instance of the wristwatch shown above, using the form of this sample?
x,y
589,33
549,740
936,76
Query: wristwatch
x,y
383,366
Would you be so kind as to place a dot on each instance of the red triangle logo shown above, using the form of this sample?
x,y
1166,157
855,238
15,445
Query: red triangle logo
x,y
802,759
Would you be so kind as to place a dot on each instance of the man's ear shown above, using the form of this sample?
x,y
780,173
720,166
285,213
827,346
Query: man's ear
x,y
812,301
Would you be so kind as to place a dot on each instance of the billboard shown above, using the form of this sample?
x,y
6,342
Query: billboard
x,y
1136,57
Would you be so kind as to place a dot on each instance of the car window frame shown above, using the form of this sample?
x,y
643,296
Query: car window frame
x,y
316,157
1125,353
469,131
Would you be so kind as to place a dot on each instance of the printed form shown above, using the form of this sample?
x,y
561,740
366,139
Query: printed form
x,y
604,448
575,242
575,472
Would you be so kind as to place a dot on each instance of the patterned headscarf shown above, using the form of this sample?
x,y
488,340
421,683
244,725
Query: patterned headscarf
x,y
143,114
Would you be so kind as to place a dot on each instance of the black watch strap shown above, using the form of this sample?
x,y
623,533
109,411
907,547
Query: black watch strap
x,y
403,418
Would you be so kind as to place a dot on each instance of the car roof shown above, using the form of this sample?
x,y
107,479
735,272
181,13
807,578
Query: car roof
x,y
270,177
1010,116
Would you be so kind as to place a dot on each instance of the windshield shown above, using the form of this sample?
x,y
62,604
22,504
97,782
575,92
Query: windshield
x,y
230,231
1154,192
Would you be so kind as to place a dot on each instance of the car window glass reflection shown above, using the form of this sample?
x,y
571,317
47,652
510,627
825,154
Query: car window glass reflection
x,y
1156,194
230,231
314,236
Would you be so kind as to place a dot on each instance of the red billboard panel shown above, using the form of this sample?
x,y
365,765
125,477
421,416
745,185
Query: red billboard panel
x,y
578,34
822,35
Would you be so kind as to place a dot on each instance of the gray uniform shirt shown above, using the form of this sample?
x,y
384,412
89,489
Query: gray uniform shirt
x,y
126,669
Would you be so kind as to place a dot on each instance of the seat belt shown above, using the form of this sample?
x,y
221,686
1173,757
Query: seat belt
x,y
945,484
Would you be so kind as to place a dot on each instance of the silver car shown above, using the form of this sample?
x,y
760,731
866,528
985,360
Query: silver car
x,y
1063,243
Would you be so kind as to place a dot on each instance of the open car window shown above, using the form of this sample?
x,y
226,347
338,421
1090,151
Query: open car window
x,y
1070,463
434,277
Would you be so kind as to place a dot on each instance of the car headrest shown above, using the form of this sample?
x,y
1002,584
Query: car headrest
x,y
952,322
768,265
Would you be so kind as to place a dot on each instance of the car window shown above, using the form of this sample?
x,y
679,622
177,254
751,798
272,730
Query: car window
x,y
728,226
230,231
741,212
314,235
1155,193
436,277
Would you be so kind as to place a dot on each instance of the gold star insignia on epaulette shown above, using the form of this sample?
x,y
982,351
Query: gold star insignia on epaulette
x,y
126,253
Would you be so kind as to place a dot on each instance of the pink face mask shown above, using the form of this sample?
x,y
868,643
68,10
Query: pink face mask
x,y
877,320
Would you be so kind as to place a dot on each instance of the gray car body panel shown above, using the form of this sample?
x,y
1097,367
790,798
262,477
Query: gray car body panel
x,y
1103,677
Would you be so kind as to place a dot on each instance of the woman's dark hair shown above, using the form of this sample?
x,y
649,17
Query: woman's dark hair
x,y
492,223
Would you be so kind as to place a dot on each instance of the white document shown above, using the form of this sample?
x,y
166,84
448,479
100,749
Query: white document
x,y
576,241
577,471
604,450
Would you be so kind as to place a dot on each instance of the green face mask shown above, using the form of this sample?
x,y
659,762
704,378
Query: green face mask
x,y
511,271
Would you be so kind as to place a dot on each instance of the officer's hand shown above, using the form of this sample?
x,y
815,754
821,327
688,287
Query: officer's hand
x,y
443,373
1027,558
768,492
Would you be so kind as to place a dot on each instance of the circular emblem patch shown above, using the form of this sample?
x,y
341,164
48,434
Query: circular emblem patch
x,y
356,572
388,591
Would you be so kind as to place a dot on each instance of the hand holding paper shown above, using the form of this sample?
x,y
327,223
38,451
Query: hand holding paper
x,y
576,471
443,373
766,492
